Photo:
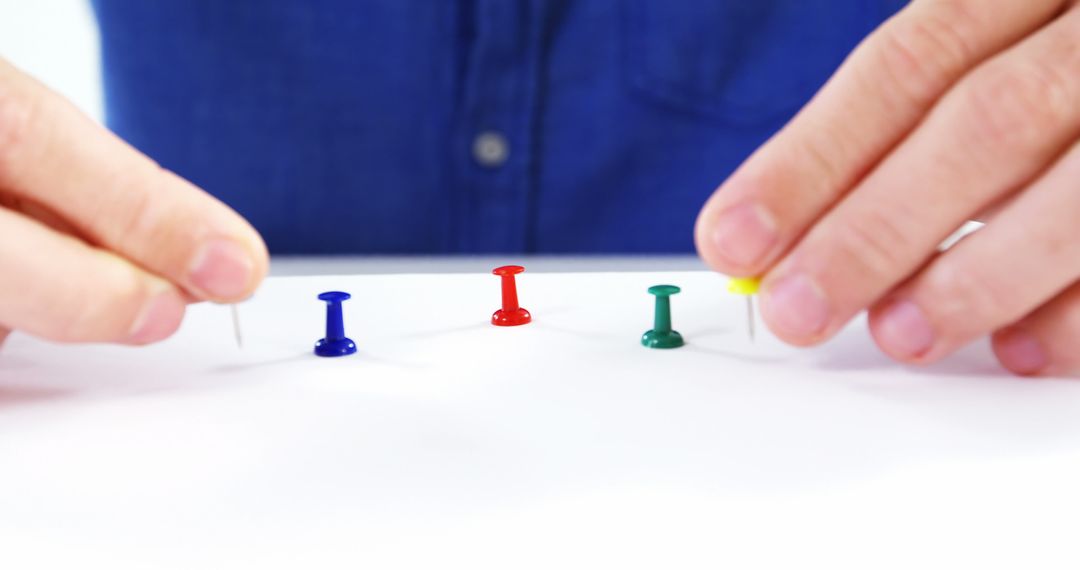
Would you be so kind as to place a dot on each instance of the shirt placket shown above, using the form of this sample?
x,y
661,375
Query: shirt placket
x,y
494,135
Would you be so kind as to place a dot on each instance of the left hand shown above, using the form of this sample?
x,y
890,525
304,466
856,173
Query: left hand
x,y
952,110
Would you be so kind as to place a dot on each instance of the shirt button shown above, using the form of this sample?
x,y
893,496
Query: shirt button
x,y
490,149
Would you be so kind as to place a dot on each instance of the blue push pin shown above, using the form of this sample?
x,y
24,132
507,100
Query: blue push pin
x,y
335,343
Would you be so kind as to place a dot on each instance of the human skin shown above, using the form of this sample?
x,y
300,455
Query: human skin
x,y
99,243
952,110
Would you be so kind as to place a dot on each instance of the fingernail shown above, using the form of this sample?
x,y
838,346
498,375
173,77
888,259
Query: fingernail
x,y
744,235
158,319
222,269
797,307
1021,352
904,331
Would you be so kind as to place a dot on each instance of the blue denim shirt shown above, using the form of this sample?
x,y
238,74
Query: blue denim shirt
x,y
442,126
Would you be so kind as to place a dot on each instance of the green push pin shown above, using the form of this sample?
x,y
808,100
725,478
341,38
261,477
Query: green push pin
x,y
661,335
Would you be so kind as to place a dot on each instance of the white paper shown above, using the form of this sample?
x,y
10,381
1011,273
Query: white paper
x,y
448,442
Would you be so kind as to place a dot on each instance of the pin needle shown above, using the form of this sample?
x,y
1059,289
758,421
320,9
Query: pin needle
x,y
750,316
236,326
746,287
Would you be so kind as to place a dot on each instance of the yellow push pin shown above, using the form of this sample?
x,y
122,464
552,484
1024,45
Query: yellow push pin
x,y
747,287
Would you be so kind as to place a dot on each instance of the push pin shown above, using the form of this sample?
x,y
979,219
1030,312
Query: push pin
x,y
747,287
335,343
661,335
511,314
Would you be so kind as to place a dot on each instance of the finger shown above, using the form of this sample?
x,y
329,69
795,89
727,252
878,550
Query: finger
x,y
59,288
1026,255
998,129
37,212
52,155
1044,342
875,99
4,333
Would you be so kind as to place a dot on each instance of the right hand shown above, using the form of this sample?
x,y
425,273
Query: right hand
x,y
97,242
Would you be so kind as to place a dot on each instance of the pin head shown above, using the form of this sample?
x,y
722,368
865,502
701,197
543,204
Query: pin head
x,y
744,285
334,296
663,290
508,270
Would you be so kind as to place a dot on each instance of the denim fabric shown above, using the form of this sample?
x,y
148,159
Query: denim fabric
x,y
348,126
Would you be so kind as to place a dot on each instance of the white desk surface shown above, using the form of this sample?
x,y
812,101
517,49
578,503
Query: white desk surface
x,y
447,442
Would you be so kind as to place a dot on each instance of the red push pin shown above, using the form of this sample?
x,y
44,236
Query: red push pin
x,y
510,315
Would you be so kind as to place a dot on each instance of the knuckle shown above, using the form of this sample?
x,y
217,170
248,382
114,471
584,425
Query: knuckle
x,y
921,53
16,112
135,219
143,219
1014,106
875,243
824,155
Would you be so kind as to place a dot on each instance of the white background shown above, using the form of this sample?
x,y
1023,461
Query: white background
x,y
57,42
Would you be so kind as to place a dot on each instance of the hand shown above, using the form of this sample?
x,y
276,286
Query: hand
x,y
99,244
952,110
